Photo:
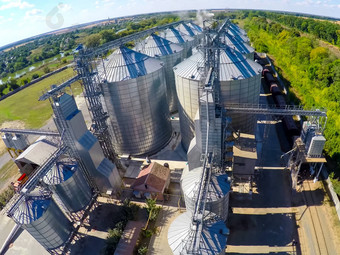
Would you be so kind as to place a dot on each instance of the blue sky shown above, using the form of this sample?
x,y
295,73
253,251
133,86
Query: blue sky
x,y
20,19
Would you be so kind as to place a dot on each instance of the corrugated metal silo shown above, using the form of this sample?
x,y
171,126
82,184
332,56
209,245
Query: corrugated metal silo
x,y
192,31
68,182
188,75
218,195
43,219
240,37
7,138
20,142
240,80
240,46
237,29
213,238
170,54
135,97
175,36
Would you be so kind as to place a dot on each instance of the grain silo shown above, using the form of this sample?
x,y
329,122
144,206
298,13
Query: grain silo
x,y
189,29
68,182
170,54
175,36
42,218
213,238
237,29
234,43
240,81
240,37
188,78
217,199
135,97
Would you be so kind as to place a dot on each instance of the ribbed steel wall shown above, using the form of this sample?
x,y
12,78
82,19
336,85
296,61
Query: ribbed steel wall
x,y
74,192
49,227
139,113
218,195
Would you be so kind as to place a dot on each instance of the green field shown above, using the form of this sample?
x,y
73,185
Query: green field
x,y
24,105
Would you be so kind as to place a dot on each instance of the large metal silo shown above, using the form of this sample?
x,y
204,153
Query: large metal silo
x,y
43,219
234,43
68,182
135,97
170,54
213,238
176,36
239,36
237,29
240,83
188,78
191,30
218,194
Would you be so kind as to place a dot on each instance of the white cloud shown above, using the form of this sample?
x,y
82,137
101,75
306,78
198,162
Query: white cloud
x,y
33,12
34,15
64,7
15,4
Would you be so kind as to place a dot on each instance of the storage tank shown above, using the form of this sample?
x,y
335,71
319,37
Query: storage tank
x,y
240,46
176,36
68,182
213,238
217,197
170,54
43,219
190,30
237,29
240,80
135,97
240,37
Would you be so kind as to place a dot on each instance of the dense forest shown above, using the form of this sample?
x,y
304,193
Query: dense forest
x,y
312,71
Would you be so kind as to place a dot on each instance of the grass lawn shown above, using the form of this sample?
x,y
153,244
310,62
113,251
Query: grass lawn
x,y
24,105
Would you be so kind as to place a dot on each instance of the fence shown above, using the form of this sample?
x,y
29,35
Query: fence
x,y
331,191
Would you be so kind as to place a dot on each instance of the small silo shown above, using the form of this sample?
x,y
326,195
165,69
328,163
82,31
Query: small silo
x,y
218,195
8,140
68,182
42,218
213,239
176,36
135,98
170,54
240,46
20,142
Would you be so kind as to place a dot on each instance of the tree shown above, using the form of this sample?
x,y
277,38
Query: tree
x,y
93,41
46,69
35,76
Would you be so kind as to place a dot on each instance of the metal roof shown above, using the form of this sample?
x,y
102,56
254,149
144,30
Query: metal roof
x,y
187,29
234,66
238,45
237,29
33,207
124,64
156,46
238,36
59,173
219,185
37,153
196,27
176,36
212,240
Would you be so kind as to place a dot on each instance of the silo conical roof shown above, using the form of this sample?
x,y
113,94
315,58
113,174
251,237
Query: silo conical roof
x,y
195,27
155,46
234,43
237,29
124,64
59,173
212,240
176,36
238,36
187,29
233,65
